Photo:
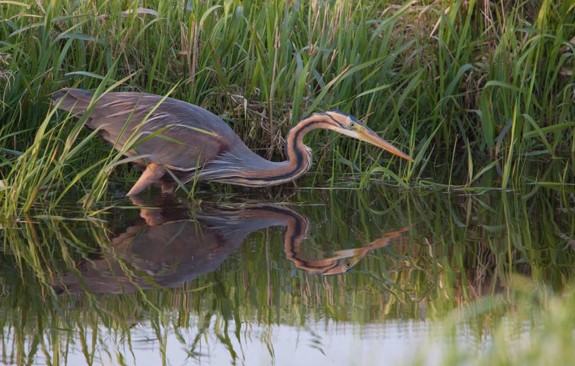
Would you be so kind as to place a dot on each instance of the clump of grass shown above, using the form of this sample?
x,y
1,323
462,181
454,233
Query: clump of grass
x,y
498,65
531,325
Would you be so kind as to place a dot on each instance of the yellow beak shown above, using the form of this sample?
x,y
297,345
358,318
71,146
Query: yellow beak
x,y
367,135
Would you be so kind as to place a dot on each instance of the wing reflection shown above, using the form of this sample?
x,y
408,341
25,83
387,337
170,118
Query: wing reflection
x,y
171,245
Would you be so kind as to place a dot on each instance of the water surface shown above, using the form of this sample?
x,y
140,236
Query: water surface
x,y
338,277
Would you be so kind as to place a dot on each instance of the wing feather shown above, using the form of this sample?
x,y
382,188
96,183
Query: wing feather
x,y
171,132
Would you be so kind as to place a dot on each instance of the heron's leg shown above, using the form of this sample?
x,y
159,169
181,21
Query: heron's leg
x,y
151,175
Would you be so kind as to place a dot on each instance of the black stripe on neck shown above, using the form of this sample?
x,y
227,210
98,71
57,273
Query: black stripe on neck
x,y
333,119
298,157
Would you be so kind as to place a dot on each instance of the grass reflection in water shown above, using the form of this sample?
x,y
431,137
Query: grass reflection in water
x,y
221,282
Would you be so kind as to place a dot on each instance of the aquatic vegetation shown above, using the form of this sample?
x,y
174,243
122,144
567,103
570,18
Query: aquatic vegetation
x,y
479,88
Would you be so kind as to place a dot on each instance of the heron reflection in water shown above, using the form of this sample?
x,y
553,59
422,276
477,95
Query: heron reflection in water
x,y
168,247
177,141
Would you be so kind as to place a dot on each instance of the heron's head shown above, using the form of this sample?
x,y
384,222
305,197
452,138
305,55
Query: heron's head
x,y
350,126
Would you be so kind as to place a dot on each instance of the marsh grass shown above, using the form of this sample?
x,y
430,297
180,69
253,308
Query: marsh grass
x,y
465,83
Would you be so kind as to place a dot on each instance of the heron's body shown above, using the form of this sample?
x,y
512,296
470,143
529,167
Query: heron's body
x,y
172,138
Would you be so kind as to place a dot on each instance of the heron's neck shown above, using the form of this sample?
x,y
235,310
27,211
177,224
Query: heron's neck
x,y
252,170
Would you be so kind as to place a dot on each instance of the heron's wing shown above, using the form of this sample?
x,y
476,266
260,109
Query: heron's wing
x,y
171,132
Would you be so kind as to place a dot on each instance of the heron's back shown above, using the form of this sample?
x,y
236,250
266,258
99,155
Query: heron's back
x,y
177,134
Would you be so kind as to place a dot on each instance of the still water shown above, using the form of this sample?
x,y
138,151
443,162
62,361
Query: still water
x,y
329,277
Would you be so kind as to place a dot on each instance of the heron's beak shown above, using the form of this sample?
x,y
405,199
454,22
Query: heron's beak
x,y
367,135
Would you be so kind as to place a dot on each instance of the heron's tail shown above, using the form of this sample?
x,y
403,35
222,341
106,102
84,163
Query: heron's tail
x,y
75,101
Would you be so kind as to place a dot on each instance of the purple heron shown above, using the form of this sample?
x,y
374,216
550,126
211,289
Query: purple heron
x,y
178,141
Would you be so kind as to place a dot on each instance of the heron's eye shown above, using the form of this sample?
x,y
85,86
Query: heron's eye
x,y
351,124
